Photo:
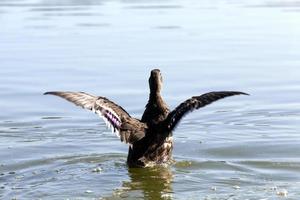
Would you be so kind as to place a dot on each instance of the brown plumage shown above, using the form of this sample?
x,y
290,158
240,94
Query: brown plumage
x,y
150,139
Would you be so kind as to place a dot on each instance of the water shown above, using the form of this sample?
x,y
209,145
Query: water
x,y
238,148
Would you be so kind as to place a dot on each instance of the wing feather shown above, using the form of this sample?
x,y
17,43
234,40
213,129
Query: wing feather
x,y
194,103
114,116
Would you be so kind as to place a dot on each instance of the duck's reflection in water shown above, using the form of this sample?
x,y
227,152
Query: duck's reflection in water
x,y
155,183
146,183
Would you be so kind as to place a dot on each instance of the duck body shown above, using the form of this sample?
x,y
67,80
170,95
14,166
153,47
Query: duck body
x,y
157,145
150,138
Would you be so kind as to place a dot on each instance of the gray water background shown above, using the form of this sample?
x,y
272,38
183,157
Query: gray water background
x,y
245,147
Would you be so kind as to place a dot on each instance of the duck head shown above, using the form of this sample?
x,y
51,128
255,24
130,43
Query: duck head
x,y
155,81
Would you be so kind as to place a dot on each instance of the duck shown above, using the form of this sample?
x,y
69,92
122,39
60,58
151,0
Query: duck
x,y
150,139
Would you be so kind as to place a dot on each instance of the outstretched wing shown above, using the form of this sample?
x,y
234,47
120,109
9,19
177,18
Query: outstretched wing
x,y
114,115
193,103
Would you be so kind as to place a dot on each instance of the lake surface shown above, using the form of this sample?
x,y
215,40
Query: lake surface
x,y
244,147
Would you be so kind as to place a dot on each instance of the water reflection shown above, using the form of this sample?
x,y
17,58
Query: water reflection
x,y
50,3
71,2
156,7
54,3
93,24
155,183
147,183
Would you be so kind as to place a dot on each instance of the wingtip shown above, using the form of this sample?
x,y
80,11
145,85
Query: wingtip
x,y
46,93
244,93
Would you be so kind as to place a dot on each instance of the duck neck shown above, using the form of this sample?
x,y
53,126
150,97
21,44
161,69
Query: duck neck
x,y
155,98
